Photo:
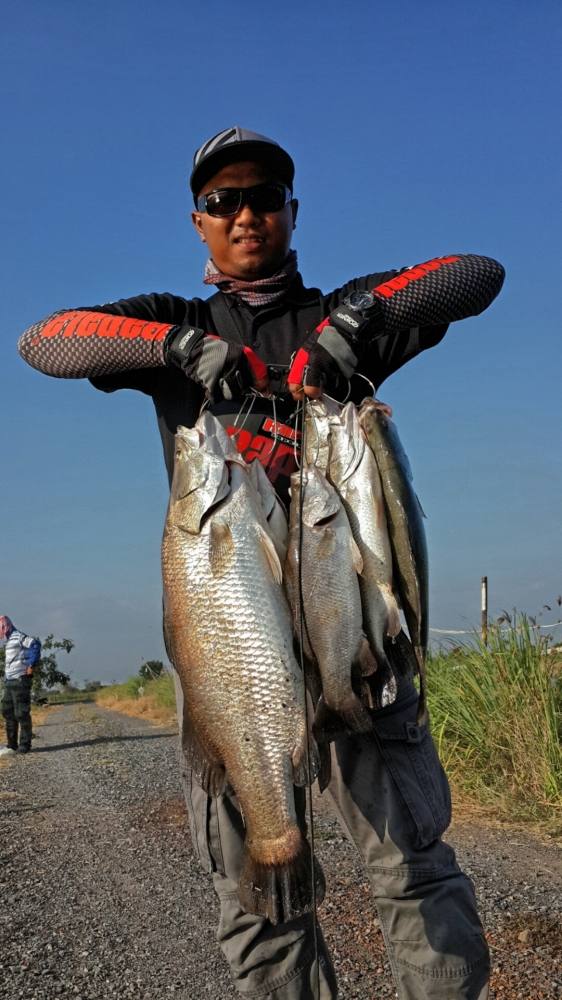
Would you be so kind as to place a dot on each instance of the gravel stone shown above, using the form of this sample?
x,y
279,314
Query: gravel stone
x,y
102,897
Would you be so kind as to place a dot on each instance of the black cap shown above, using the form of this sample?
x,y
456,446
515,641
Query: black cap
x,y
235,144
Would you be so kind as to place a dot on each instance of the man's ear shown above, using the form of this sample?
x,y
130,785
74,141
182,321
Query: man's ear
x,y
196,220
294,209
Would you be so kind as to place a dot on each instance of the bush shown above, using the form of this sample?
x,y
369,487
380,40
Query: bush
x,y
496,712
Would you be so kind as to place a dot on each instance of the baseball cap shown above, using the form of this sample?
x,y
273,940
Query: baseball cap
x,y
235,144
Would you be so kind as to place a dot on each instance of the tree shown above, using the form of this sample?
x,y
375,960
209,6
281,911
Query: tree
x,y
151,669
46,672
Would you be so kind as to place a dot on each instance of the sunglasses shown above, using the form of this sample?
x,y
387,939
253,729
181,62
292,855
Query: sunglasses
x,y
268,197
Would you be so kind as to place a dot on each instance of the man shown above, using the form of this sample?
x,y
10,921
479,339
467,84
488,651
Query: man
x,y
264,330
21,653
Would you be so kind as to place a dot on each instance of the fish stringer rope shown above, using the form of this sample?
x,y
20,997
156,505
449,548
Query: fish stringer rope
x,y
306,713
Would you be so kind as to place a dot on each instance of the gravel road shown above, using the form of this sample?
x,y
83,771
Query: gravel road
x,y
101,896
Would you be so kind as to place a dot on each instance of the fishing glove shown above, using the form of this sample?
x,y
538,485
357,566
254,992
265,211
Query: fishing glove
x,y
332,353
225,370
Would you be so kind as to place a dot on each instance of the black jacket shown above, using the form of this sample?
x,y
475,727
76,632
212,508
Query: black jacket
x,y
274,332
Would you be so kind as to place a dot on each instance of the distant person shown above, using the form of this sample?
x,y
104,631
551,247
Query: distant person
x,y
22,653
265,329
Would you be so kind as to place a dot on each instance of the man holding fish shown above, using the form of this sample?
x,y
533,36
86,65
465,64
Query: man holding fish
x,y
249,354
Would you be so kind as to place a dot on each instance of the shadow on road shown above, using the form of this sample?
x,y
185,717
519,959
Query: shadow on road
x,y
102,739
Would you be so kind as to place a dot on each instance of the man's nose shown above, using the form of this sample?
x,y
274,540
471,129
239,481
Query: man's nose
x,y
246,213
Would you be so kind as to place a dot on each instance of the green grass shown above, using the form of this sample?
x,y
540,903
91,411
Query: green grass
x,y
160,690
163,692
496,714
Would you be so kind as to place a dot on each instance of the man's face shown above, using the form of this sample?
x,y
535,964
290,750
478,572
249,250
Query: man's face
x,y
5,627
247,245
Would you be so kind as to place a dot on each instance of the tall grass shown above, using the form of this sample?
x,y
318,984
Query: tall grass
x,y
154,699
496,716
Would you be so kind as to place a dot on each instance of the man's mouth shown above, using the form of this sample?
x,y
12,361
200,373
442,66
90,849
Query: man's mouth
x,y
249,241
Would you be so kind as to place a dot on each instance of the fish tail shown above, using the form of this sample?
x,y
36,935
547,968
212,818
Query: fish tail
x,y
283,890
325,772
351,717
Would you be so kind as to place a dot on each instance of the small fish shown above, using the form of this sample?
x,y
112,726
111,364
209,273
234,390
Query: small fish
x,y
406,527
322,563
228,631
353,471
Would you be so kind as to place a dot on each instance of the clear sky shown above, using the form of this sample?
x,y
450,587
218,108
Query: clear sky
x,y
417,130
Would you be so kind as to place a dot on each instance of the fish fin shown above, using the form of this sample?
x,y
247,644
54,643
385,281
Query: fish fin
x,y
352,717
306,763
422,715
167,638
365,658
221,547
363,688
325,772
422,511
393,624
327,543
281,892
356,557
270,554
211,775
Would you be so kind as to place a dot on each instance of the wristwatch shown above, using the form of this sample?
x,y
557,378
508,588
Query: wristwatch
x,y
358,313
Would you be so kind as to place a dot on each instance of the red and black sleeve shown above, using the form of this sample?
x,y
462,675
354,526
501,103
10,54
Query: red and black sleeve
x,y
79,343
440,290
426,297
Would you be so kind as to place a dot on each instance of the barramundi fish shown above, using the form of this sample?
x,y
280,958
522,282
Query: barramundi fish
x,y
322,565
353,471
405,520
229,635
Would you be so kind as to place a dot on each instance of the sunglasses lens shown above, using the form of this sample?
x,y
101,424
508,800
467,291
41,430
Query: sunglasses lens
x,y
268,198
225,202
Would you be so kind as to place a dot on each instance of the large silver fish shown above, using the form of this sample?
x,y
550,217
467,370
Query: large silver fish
x,y
322,564
228,631
353,471
405,520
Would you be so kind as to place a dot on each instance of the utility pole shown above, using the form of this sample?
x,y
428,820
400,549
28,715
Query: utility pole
x,y
484,618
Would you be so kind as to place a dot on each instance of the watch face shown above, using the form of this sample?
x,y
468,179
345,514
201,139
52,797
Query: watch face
x,y
361,301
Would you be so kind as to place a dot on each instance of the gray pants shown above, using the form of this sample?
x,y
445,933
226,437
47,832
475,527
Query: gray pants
x,y
16,709
391,797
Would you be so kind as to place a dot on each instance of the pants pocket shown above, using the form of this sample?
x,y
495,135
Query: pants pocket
x,y
414,766
198,809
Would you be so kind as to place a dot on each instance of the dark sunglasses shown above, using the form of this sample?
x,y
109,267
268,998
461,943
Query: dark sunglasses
x,y
268,197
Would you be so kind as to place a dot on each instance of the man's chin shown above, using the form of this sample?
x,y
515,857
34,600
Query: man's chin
x,y
252,268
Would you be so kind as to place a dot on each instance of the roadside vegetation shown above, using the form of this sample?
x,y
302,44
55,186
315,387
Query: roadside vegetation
x,y
150,695
496,713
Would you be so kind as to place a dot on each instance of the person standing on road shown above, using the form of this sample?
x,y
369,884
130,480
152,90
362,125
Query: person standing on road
x,y
263,329
21,653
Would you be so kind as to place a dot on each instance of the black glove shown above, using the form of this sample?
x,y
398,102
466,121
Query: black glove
x,y
331,355
225,370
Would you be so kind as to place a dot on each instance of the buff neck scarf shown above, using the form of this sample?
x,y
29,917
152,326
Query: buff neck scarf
x,y
262,291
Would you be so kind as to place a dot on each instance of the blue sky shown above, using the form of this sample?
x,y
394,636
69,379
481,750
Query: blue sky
x,y
419,130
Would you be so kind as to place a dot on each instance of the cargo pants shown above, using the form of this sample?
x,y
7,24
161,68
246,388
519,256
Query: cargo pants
x,y
391,797
16,709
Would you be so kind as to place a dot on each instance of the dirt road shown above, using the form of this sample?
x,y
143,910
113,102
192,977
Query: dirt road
x,y
101,896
